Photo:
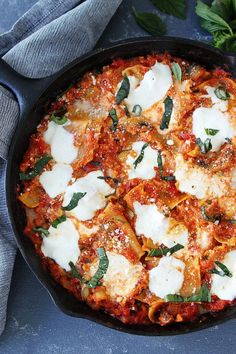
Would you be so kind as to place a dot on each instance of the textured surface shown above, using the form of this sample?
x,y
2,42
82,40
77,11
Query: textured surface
x,y
34,324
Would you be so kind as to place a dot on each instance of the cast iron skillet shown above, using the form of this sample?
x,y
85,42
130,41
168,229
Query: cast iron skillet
x,y
33,97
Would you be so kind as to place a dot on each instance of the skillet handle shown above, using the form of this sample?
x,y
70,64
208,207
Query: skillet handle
x,y
26,90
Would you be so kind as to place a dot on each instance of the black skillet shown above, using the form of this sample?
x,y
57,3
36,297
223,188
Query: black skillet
x,y
33,97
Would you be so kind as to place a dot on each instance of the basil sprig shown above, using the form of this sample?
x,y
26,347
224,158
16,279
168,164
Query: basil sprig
x,y
204,146
58,120
141,155
175,8
74,201
100,272
115,180
224,271
168,103
137,110
158,252
160,166
177,71
41,230
36,170
204,295
222,93
123,90
112,114
210,131
58,221
150,22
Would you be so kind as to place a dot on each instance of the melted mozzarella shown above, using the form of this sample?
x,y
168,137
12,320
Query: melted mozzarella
x,y
225,287
195,181
55,181
61,142
160,229
222,105
154,86
203,239
96,189
214,119
167,277
62,244
121,277
145,169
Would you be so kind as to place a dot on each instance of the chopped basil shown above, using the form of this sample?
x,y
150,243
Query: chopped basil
x,y
36,170
222,93
160,166
177,71
41,230
74,201
157,252
137,110
58,120
210,131
95,163
127,111
123,90
112,114
204,146
213,218
203,296
102,268
231,221
167,113
223,272
75,273
115,180
58,221
141,155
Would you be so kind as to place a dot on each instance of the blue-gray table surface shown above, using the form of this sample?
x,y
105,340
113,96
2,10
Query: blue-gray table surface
x,y
34,324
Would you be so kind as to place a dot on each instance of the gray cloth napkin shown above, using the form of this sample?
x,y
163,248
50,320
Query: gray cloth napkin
x,y
49,36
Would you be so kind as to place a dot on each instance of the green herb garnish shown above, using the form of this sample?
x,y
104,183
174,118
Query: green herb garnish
x,y
76,274
213,218
127,111
137,110
177,71
160,166
158,252
211,132
203,296
74,201
112,114
36,170
141,155
41,230
204,146
224,271
102,268
123,90
167,113
175,8
58,120
115,180
58,221
222,93
150,22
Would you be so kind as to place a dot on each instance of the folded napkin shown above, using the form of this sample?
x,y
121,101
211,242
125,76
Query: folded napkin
x,y
49,36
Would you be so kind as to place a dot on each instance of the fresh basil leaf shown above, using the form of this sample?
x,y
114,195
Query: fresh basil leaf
x,y
102,268
36,170
41,230
231,221
175,8
177,71
203,296
204,146
76,274
213,218
160,166
58,221
168,103
157,252
224,271
150,22
225,9
127,112
123,91
141,155
112,114
74,201
58,120
115,180
137,110
222,93
211,132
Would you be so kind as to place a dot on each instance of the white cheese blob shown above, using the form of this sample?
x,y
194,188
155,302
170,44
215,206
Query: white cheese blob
x,y
121,277
203,239
154,86
144,169
61,142
160,229
54,182
195,181
225,287
62,244
212,118
222,105
96,190
167,278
